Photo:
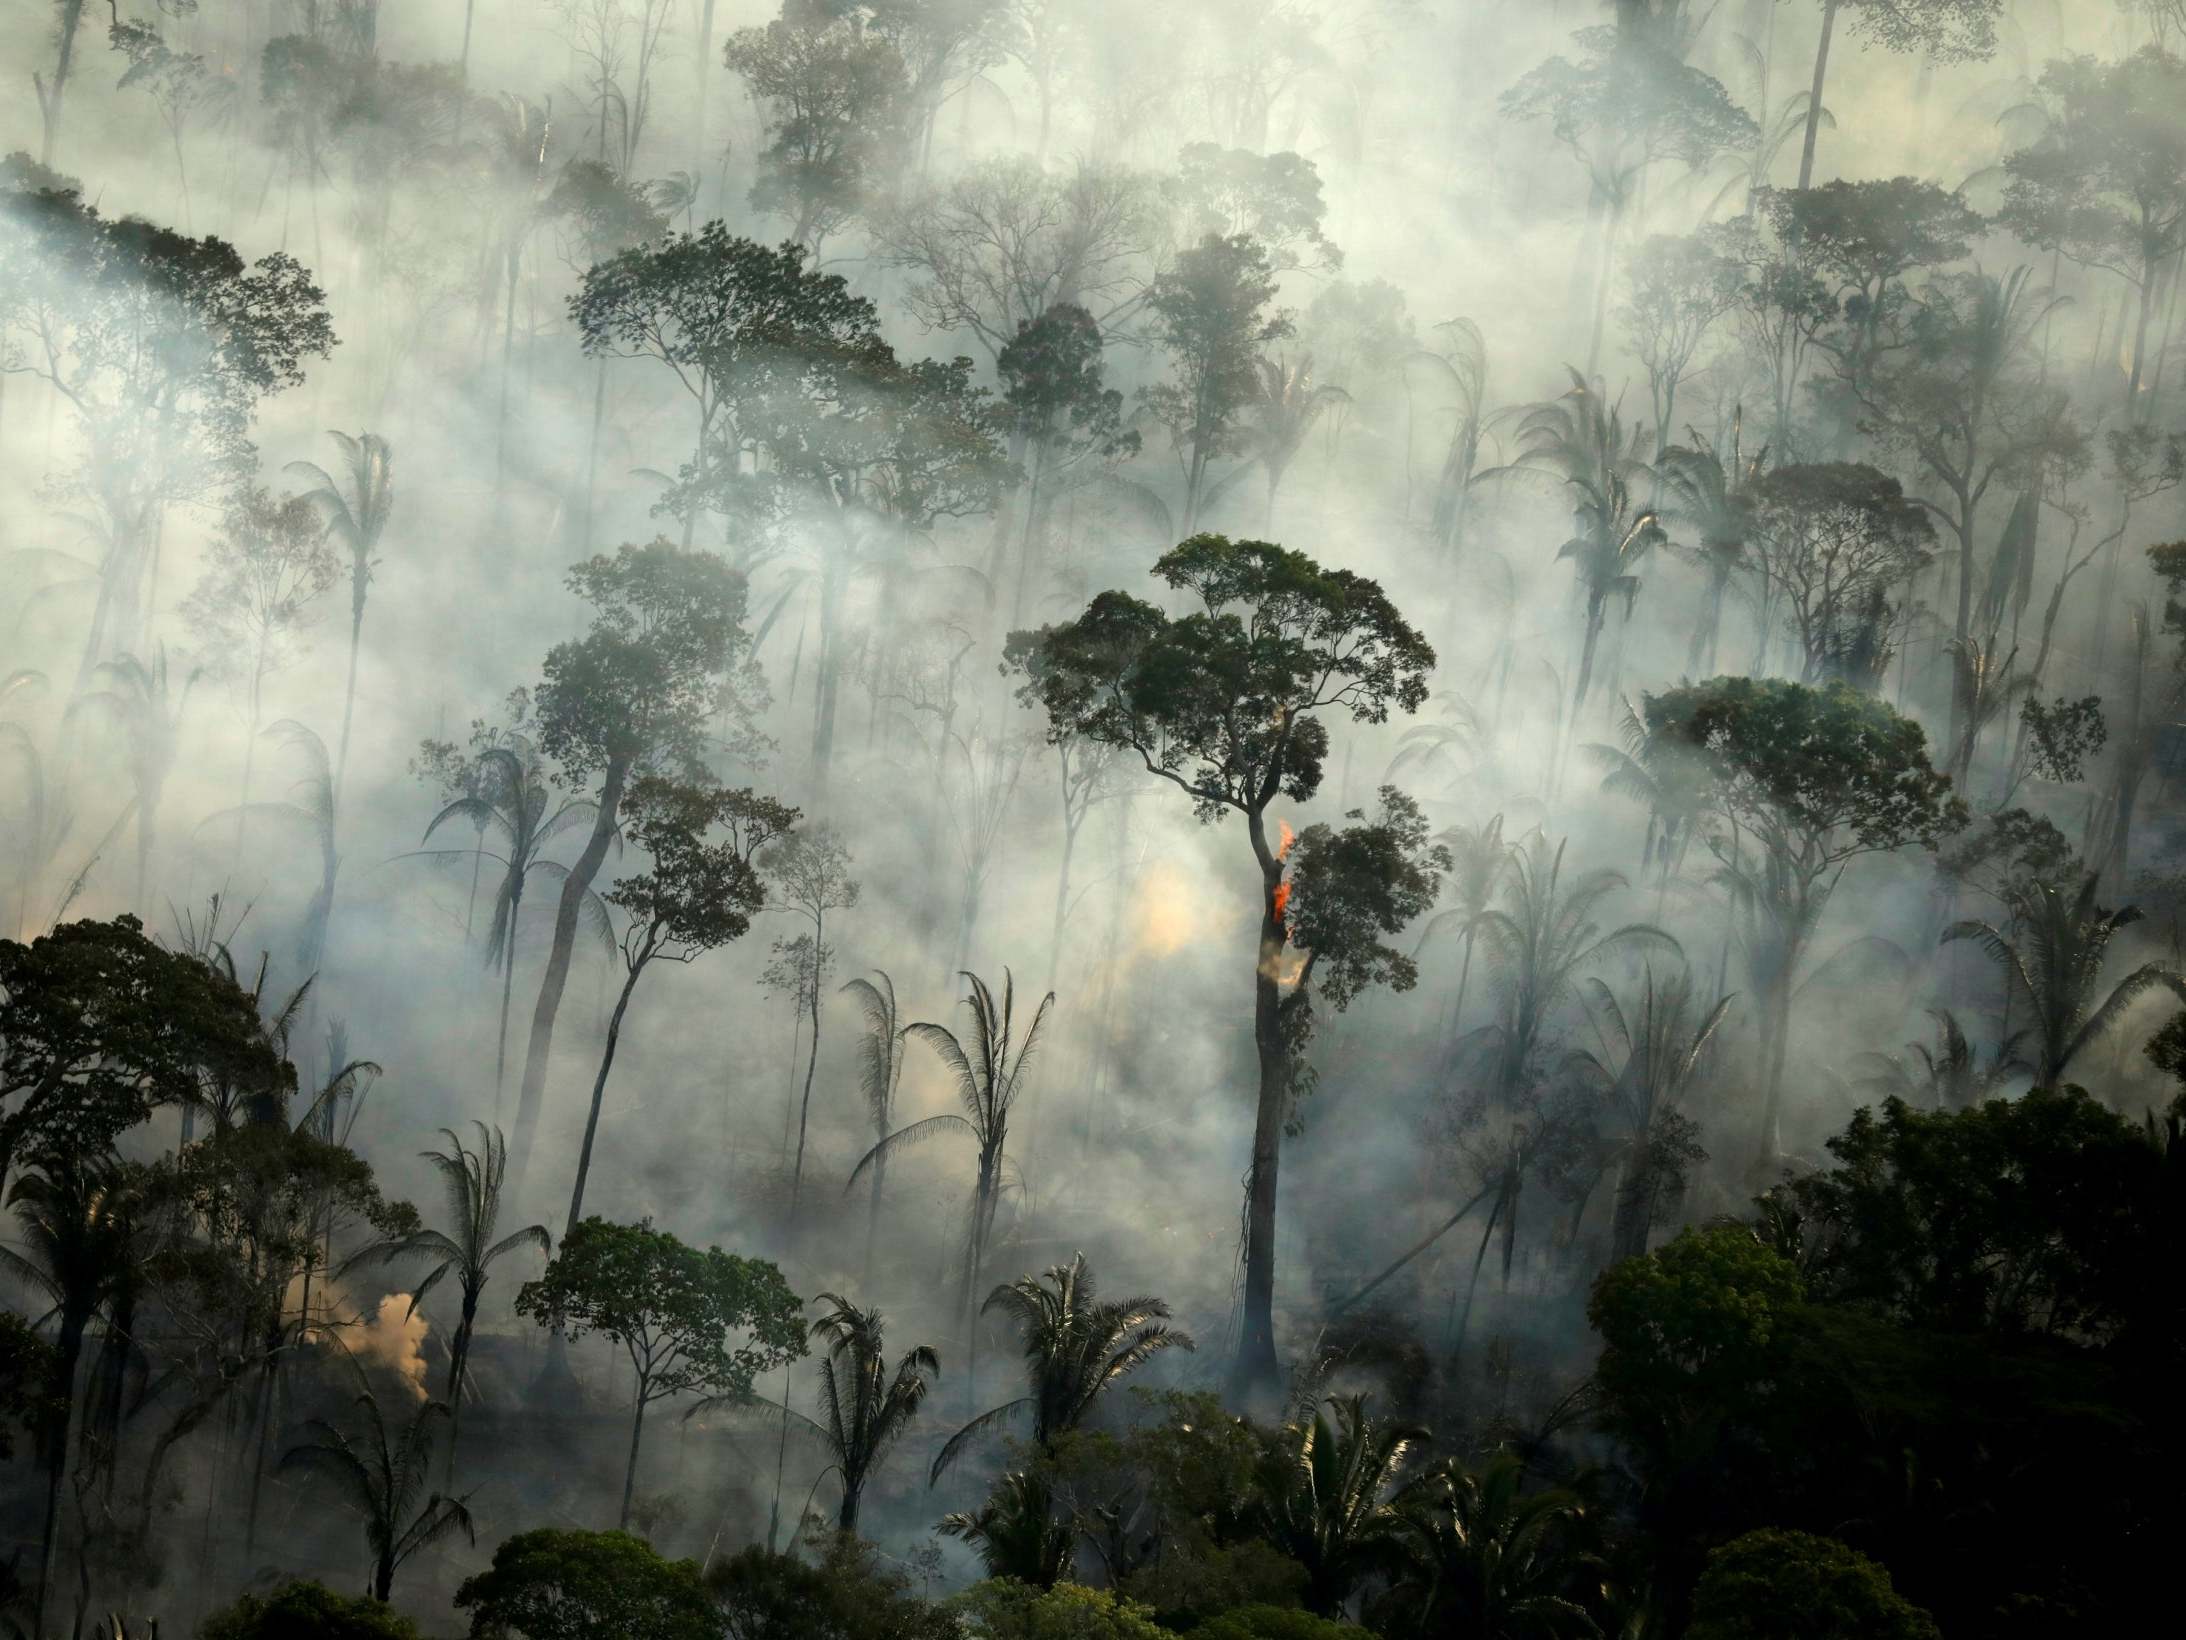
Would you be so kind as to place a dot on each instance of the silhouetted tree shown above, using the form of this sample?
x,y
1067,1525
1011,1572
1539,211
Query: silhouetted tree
x,y
467,1249
1229,704
1075,1343
2054,961
1795,783
700,892
380,1477
1210,316
631,698
809,875
672,1309
359,519
1943,30
989,1077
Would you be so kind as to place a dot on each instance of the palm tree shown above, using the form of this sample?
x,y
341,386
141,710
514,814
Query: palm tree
x,y
1951,1075
80,1228
880,1074
1488,1560
381,1479
989,1078
1982,685
1537,944
1657,1049
1463,373
516,800
1075,1345
1017,1532
1710,497
1584,441
868,1408
1326,1497
1285,406
359,518
2056,961
1673,812
1479,860
466,1249
148,710
1539,941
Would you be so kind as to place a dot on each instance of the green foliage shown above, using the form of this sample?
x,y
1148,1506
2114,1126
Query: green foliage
x,y
306,1611
846,1596
1019,1535
702,889
1771,1585
1210,315
1004,1609
1274,198
1075,1345
837,100
1275,1623
1984,1220
1228,702
26,1374
1820,774
866,1407
1326,1496
100,1024
673,1308
632,695
1691,1334
2106,181
1351,887
557,1585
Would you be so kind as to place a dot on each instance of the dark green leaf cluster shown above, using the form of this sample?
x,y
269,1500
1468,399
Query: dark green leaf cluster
x,y
709,1321
1228,701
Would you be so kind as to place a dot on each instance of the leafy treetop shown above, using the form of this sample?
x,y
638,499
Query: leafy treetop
x,y
1228,700
673,1309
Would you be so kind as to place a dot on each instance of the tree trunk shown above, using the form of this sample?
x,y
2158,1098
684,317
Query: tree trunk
x,y
508,985
508,346
349,693
1772,1076
592,455
556,978
1814,97
68,1346
383,1575
599,1095
630,1475
1255,1374
804,1111
49,105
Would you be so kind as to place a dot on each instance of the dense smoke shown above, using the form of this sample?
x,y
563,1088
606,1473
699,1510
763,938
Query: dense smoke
x,y
1528,269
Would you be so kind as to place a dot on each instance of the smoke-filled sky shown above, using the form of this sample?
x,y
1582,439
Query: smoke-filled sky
x,y
1132,1142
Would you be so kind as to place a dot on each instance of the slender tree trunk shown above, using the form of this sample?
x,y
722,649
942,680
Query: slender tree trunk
x,y
1814,97
1256,1374
49,105
599,1095
508,985
630,1474
508,347
349,692
2147,295
592,455
872,1211
1772,1074
804,1110
556,978
68,1350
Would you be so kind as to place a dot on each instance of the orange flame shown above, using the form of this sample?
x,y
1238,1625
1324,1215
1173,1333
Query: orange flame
x,y
1282,900
1284,837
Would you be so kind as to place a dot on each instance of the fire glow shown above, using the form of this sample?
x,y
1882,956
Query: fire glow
x,y
1285,837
